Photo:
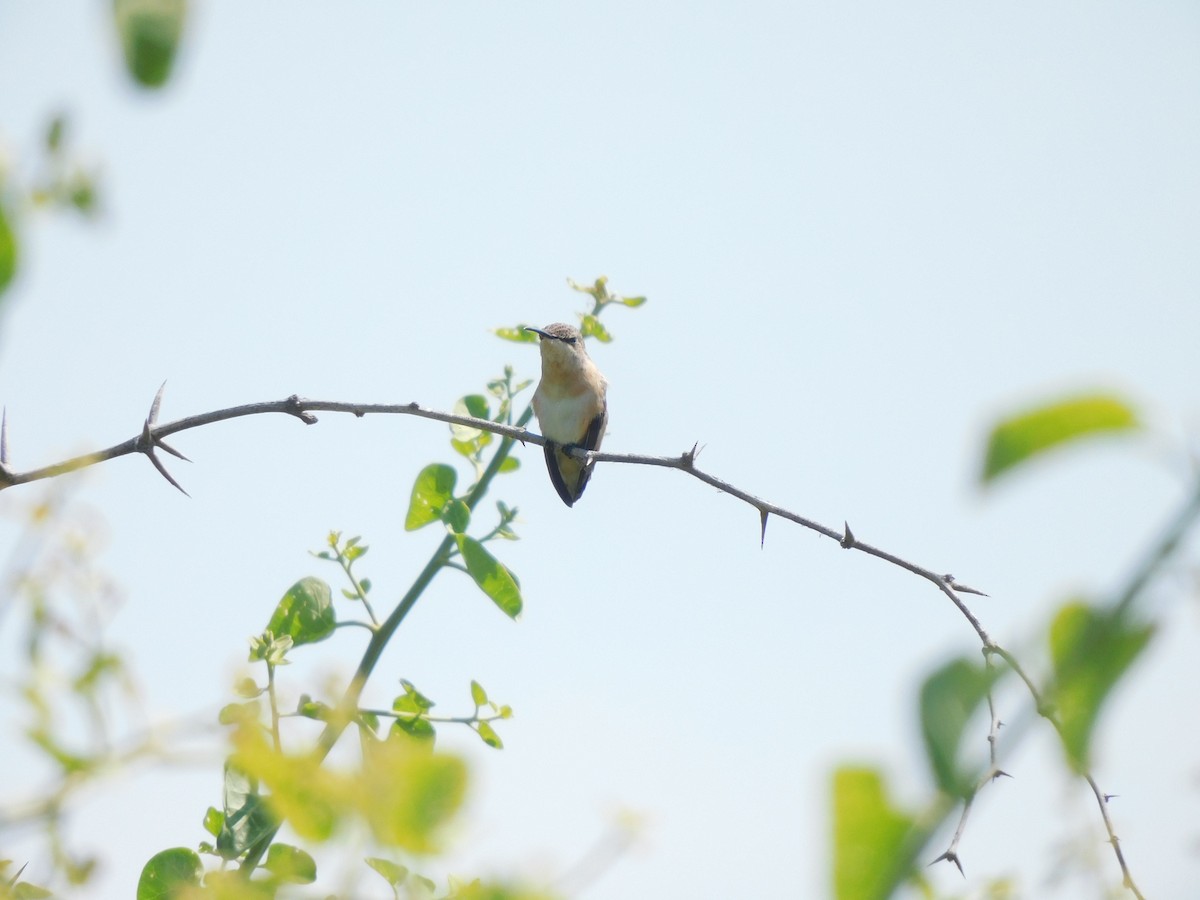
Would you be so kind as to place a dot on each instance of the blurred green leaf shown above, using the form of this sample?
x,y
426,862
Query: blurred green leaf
x,y
591,327
949,697
868,836
393,873
291,864
54,134
597,290
509,464
296,788
234,713
23,890
8,250
488,733
412,700
80,192
150,32
1091,650
432,490
306,613
214,820
631,302
1024,436
410,792
492,577
421,729
517,335
168,872
478,694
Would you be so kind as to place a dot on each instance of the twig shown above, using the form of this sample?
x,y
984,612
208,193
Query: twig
x,y
151,438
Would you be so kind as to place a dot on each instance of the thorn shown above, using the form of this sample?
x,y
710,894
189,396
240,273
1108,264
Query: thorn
x,y
951,856
950,582
16,877
161,443
146,445
848,540
1108,797
763,539
1000,773
164,473
153,417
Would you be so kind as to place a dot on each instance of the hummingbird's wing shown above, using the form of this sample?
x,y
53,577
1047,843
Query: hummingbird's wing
x,y
555,459
568,474
591,441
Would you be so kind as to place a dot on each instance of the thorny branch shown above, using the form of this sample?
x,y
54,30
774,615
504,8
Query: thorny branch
x,y
151,438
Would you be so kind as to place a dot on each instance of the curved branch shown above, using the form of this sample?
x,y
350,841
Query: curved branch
x,y
151,438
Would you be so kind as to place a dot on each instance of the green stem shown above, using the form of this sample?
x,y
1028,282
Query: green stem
x,y
379,640
274,707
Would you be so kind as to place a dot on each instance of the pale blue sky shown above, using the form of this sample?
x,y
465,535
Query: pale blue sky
x,y
865,229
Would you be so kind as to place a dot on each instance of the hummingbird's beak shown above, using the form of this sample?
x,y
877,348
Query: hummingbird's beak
x,y
538,332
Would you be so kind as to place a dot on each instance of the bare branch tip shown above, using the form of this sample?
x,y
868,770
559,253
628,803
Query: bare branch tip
x,y
848,540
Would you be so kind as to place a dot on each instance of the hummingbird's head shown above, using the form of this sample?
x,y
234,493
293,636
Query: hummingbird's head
x,y
559,341
558,332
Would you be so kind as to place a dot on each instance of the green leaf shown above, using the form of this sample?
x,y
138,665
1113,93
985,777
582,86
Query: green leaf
x,y
411,792
478,694
23,890
168,872
868,836
305,614
393,873
421,729
591,327
1090,650
631,302
235,713
246,818
8,250
509,464
488,733
413,700
491,576
150,32
474,405
432,490
457,515
214,821
1026,435
54,133
517,335
949,697
291,864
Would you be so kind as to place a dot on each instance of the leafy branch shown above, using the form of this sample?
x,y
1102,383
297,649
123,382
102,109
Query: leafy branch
x,y
1091,647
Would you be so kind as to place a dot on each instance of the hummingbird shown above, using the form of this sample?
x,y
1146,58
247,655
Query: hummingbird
x,y
570,406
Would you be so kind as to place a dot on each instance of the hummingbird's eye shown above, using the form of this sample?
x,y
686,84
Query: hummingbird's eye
x,y
568,340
